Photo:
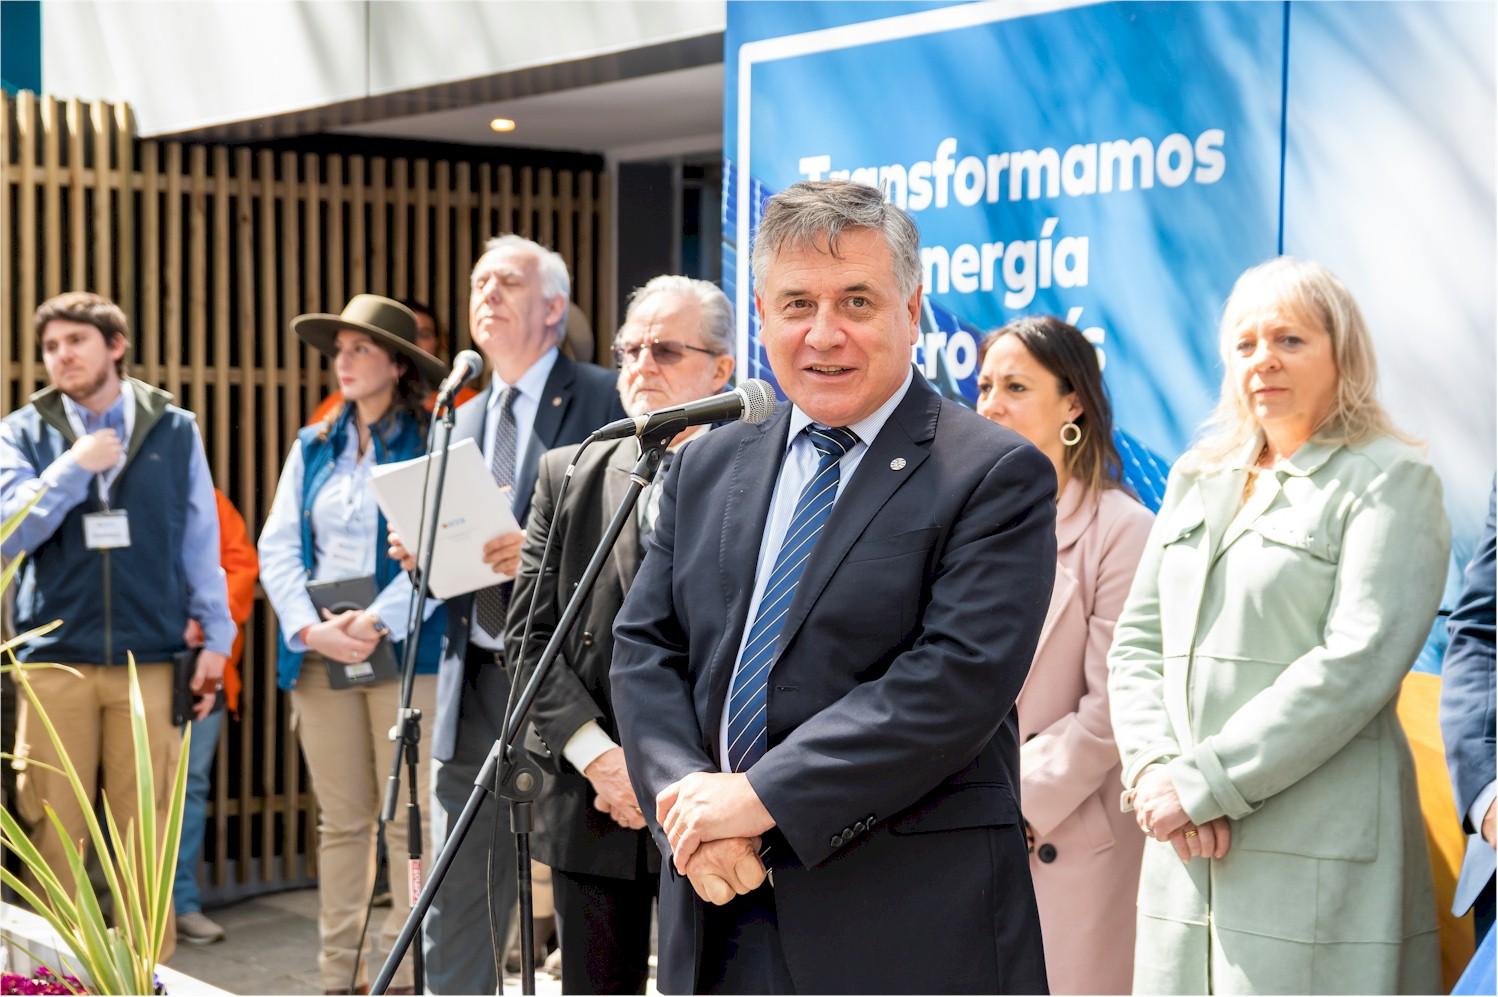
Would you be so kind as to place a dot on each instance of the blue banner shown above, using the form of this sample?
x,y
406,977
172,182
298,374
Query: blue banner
x,y
1119,165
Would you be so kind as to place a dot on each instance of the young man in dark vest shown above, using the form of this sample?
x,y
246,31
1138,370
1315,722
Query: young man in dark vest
x,y
122,547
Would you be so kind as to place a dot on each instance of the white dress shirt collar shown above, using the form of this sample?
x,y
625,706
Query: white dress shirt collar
x,y
531,384
866,428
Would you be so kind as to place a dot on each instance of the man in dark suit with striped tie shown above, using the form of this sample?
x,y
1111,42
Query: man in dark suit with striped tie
x,y
537,399
815,671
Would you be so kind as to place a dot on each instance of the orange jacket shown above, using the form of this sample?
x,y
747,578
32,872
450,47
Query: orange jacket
x,y
336,398
241,570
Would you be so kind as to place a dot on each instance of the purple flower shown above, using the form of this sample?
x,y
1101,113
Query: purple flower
x,y
43,981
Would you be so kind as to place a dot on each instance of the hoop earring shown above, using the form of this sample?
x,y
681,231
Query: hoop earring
x,y
1071,434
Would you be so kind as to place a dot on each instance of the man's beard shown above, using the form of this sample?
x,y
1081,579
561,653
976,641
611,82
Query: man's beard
x,y
90,389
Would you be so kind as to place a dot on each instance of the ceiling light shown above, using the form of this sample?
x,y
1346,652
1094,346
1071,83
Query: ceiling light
x,y
502,124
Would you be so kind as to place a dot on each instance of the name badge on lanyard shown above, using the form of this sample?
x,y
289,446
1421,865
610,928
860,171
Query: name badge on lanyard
x,y
106,530
345,557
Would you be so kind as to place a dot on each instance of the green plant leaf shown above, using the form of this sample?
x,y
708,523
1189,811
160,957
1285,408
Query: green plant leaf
x,y
127,865
166,864
29,635
18,841
36,903
13,664
127,966
140,869
134,930
53,921
29,762
14,522
151,873
145,780
129,957
63,968
34,666
8,575
90,938
84,798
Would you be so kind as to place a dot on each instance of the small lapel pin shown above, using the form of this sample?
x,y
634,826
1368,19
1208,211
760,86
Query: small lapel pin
x,y
898,464
557,400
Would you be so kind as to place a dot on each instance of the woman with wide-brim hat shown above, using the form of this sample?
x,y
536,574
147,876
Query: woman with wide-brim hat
x,y
324,525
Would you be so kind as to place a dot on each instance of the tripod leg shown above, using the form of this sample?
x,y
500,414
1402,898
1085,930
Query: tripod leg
x,y
423,903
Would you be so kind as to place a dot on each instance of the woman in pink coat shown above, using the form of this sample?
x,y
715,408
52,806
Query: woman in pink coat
x,y
1040,377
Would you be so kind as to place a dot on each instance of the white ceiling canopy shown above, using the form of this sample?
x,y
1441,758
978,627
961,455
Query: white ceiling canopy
x,y
664,110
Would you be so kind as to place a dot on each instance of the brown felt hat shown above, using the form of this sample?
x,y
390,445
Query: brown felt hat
x,y
387,322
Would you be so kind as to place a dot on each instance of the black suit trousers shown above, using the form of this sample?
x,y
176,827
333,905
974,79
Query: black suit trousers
x,y
604,926
741,951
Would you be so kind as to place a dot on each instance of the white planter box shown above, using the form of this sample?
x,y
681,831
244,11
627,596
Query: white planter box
x,y
27,941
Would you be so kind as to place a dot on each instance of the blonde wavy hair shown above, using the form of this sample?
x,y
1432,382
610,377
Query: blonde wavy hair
x,y
1307,294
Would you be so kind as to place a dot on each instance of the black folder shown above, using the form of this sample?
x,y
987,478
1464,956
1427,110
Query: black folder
x,y
340,596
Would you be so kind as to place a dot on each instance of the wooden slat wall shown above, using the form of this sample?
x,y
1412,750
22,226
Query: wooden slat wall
x,y
211,250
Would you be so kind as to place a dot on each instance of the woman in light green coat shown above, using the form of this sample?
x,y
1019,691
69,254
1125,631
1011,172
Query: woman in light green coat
x,y
1288,584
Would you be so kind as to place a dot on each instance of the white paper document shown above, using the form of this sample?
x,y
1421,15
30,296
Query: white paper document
x,y
474,511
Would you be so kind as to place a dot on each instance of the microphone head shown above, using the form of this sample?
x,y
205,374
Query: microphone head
x,y
759,400
470,361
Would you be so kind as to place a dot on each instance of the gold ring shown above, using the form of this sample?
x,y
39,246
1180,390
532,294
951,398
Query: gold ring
x,y
1192,833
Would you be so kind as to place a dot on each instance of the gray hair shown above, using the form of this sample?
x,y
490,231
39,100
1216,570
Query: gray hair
x,y
816,212
555,283
717,311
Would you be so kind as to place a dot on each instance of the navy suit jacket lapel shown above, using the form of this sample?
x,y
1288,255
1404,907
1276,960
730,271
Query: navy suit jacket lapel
x,y
556,397
751,483
469,421
906,435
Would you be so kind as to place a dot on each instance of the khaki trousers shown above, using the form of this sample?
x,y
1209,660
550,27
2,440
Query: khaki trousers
x,y
345,739
91,715
543,900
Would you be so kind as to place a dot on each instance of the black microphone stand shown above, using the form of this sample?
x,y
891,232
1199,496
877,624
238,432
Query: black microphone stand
x,y
407,730
519,778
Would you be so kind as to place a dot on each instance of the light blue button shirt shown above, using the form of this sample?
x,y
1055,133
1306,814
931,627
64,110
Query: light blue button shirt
x,y
67,485
799,467
531,385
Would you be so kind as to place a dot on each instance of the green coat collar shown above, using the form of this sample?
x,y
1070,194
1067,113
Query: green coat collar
x,y
1310,458
150,405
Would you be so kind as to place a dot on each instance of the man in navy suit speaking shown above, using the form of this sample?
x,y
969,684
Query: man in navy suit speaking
x,y
815,671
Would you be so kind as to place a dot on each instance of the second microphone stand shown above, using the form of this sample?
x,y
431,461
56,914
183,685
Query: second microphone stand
x,y
407,730
509,771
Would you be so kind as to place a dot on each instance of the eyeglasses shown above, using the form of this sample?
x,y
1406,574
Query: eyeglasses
x,y
665,351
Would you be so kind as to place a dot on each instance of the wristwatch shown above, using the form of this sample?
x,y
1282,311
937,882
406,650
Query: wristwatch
x,y
379,625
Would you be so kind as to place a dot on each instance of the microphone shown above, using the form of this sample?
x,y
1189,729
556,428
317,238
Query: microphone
x,y
466,366
751,402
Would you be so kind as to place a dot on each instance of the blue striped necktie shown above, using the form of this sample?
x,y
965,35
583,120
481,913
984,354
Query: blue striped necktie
x,y
747,736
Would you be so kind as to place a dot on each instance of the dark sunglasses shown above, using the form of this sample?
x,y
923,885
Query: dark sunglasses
x,y
665,351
